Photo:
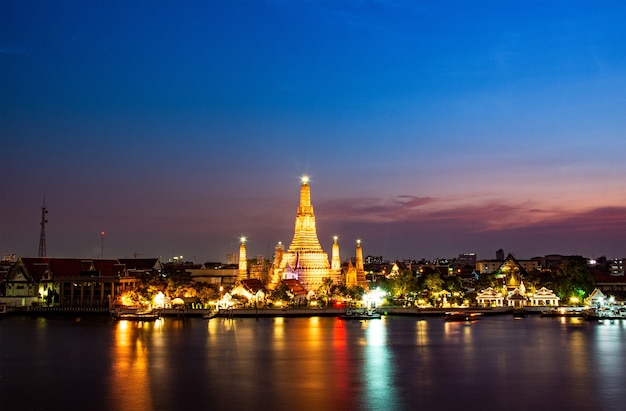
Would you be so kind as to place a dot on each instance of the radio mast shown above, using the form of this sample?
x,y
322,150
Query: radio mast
x,y
42,234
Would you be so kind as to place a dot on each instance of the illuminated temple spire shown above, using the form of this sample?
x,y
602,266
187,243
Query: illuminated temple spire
x,y
335,264
305,260
242,273
360,270
305,234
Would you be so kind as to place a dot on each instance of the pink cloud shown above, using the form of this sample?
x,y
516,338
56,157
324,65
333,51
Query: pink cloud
x,y
480,217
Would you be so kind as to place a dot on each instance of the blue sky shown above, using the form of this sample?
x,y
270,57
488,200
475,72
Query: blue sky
x,y
428,128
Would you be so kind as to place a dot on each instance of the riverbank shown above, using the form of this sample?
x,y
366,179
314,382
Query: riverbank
x,y
336,312
271,312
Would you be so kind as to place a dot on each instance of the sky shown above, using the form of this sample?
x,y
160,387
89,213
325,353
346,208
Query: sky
x,y
428,128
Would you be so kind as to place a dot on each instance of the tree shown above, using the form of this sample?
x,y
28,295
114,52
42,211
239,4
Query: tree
x,y
281,293
325,291
432,284
574,279
454,284
403,284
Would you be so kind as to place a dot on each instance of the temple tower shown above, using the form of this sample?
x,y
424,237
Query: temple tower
x,y
351,275
360,270
305,233
242,273
335,264
305,257
275,271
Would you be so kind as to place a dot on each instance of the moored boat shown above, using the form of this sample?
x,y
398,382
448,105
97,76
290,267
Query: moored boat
x,y
360,314
565,312
520,313
209,314
461,316
137,316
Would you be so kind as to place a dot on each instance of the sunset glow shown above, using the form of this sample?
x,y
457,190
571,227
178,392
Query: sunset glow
x,y
428,129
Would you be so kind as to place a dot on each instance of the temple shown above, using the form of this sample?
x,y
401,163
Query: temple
x,y
305,260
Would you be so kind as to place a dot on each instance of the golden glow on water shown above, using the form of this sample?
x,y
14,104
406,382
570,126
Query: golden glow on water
x,y
312,352
421,333
314,333
130,385
279,333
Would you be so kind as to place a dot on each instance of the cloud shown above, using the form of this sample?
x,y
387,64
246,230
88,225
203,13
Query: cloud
x,y
494,215
375,210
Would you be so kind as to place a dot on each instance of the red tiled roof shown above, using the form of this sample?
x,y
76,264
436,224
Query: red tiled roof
x,y
71,267
253,285
294,286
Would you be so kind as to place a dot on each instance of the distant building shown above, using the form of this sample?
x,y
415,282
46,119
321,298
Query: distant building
x,y
232,258
143,267
500,255
492,266
259,269
370,259
617,267
467,259
215,274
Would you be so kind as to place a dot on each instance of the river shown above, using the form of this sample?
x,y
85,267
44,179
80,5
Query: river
x,y
317,363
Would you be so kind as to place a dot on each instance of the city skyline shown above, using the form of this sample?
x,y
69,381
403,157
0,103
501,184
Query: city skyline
x,y
428,129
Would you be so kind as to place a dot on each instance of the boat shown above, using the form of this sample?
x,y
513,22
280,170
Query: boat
x,y
606,314
461,316
137,316
563,312
209,314
520,313
361,314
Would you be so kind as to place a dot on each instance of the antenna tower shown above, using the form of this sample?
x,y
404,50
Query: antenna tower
x,y
42,234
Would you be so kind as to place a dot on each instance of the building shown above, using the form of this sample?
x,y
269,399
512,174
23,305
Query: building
x,y
68,282
492,266
466,259
143,267
215,274
617,267
304,260
251,289
232,258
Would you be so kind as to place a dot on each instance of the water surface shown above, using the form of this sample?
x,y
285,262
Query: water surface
x,y
396,363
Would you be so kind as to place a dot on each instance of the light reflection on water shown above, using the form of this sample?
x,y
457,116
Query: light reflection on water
x,y
395,363
129,378
380,388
